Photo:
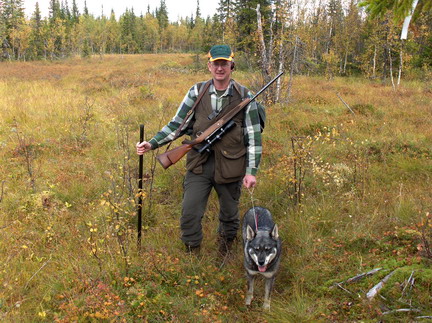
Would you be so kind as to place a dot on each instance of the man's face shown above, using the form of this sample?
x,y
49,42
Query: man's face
x,y
220,70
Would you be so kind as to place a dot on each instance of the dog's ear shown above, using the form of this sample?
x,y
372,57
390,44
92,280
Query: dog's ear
x,y
250,234
275,232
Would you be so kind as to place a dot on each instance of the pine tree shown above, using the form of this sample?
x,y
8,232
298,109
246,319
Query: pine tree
x,y
75,12
226,17
246,21
12,16
36,42
162,15
86,12
54,10
198,11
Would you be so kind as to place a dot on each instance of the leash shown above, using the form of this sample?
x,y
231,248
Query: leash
x,y
253,208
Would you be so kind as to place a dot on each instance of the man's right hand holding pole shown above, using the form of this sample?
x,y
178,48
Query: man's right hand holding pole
x,y
143,147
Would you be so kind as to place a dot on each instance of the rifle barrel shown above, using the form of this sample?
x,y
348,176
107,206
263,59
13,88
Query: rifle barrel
x,y
266,86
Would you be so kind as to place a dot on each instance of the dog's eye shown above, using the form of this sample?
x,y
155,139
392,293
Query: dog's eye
x,y
267,248
257,248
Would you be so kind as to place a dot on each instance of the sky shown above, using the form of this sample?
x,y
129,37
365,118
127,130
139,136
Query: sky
x,y
176,8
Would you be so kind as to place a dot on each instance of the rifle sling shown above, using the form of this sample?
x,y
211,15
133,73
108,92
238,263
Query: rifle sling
x,y
201,92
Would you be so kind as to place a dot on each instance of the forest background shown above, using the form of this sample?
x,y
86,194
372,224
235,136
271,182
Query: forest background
x,y
334,37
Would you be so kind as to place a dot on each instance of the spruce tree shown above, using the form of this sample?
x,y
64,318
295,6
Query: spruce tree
x,y
246,20
86,12
54,10
12,14
36,42
162,15
75,12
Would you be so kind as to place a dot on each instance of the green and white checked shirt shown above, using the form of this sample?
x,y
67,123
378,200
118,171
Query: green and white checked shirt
x,y
251,123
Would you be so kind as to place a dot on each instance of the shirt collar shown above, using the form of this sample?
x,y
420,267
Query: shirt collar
x,y
228,92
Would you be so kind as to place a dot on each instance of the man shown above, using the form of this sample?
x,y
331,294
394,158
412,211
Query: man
x,y
232,160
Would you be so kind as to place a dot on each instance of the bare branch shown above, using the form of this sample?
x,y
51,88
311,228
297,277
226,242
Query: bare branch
x,y
346,104
375,290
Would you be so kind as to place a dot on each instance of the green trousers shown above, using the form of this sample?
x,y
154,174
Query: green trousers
x,y
197,188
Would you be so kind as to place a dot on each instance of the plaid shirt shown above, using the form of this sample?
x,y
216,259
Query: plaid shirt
x,y
251,123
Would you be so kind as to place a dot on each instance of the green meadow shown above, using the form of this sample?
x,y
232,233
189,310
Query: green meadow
x,y
349,186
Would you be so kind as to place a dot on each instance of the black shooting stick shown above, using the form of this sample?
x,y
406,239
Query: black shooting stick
x,y
140,188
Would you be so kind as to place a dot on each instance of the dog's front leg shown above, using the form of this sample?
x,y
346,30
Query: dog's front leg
x,y
268,289
249,295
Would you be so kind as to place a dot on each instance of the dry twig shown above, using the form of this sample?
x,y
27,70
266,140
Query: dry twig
x,y
346,104
375,290
42,267
358,277
401,310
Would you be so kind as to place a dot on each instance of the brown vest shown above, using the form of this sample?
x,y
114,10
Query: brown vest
x,y
229,152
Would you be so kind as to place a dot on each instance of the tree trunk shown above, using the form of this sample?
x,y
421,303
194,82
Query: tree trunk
x,y
293,62
271,41
281,65
400,63
404,33
345,62
264,60
374,63
391,68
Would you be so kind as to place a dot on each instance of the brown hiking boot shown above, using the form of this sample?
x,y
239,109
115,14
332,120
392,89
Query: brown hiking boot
x,y
225,246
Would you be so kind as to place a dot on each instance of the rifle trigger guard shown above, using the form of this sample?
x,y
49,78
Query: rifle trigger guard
x,y
186,142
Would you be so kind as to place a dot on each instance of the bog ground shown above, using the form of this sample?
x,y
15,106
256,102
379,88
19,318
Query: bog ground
x,y
350,192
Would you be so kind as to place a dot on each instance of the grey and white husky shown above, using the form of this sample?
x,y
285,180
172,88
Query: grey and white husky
x,y
262,250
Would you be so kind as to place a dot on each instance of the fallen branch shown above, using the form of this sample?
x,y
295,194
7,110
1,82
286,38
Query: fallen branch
x,y
344,289
346,104
42,267
401,310
423,317
358,277
375,290
409,282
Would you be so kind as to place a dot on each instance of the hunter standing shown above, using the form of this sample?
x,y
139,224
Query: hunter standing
x,y
233,160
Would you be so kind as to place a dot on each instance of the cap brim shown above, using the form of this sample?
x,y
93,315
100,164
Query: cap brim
x,y
220,58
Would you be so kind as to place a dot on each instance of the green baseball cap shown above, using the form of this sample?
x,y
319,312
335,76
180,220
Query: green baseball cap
x,y
220,52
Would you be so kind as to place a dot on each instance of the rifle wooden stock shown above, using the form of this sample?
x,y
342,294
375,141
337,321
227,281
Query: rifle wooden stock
x,y
172,156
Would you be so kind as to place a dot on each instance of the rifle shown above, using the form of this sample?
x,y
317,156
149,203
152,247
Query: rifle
x,y
210,135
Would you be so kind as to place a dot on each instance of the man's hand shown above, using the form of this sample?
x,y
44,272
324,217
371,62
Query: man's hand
x,y
249,181
143,147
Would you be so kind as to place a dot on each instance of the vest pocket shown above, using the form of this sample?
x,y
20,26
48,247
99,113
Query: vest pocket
x,y
232,165
194,161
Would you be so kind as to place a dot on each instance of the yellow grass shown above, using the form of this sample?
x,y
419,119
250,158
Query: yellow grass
x,y
67,214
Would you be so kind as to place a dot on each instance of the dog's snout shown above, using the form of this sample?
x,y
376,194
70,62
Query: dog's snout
x,y
261,259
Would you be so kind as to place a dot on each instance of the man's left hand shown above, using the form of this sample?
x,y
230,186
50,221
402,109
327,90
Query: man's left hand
x,y
249,181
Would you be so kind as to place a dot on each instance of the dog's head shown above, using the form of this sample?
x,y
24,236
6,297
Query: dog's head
x,y
262,246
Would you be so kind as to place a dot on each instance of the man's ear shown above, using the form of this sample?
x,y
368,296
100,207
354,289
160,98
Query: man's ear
x,y
275,232
250,234
209,65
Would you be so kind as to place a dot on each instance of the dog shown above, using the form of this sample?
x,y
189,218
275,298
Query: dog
x,y
262,250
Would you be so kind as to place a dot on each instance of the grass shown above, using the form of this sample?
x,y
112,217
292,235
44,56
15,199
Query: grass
x,y
68,182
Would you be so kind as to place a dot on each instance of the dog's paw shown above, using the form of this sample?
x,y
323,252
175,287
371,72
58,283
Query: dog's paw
x,y
266,305
248,300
